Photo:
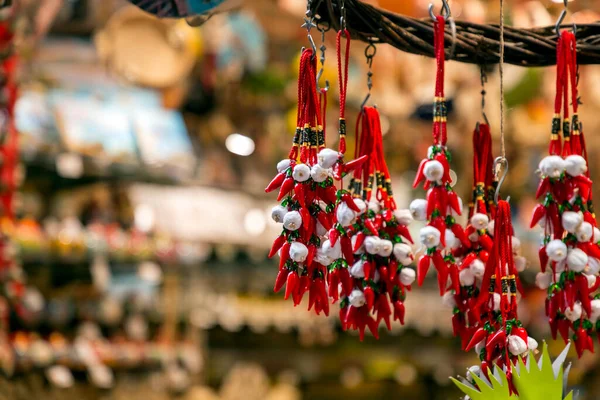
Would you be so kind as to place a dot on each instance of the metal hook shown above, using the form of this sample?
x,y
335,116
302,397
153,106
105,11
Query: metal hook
x,y
370,52
322,29
445,11
483,77
500,165
561,18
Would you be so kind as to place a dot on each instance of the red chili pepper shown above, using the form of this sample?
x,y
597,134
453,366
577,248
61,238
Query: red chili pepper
x,y
520,332
404,232
347,198
327,194
439,224
322,217
285,254
292,283
563,329
543,256
478,336
420,175
347,282
337,171
387,215
432,201
286,187
347,249
581,283
466,262
384,311
383,274
496,339
312,295
538,213
443,202
281,279
276,182
457,326
442,270
484,255
300,195
354,164
441,157
543,187
593,250
334,234
460,235
373,326
370,225
453,202
369,296
399,311
343,314
582,342
360,239
454,277
589,218
486,241
277,243
302,287
552,213
333,281
422,268
367,269
322,295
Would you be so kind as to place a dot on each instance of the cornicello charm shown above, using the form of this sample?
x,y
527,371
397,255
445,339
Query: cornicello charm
x,y
442,203
382,246
501,338
569,255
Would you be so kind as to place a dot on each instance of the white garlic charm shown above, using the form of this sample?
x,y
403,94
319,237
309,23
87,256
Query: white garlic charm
x,y
552,166
345,216
334,252
577,260
386,248
298,252
585,232
543,280
571,220
301,173
292,221
283,165
573,313
480,221
433,170
466,277
278,212
532,344
477,268
418,209
520,263
403,253
448,299
372,245
556,250
404,217
575,165
516,345
430,236
318,173
357,298
595,310
327,158
407,276
358,269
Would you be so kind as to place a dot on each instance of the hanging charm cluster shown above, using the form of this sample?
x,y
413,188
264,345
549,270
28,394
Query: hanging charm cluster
x,y
569,255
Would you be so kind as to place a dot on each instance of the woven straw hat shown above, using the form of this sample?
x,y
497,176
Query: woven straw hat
x,y
147,51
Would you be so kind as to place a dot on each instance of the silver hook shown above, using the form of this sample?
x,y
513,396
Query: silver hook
x,y
561,18
370,52
483,77
500,165
309,23
321,29
445,11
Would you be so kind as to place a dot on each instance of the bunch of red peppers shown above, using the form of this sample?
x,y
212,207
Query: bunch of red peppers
x,y
442,234
381,242
569,256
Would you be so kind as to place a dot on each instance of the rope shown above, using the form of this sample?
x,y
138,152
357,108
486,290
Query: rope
x,y
502,142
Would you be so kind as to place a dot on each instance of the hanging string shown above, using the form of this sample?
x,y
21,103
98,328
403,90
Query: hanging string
x,y
502,143
343,67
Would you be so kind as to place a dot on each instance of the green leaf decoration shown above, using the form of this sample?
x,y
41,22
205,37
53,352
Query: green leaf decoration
x,y
543,380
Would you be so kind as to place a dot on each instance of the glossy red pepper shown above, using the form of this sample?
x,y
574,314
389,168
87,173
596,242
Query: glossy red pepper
x,y
343,314
443,202
433,199
553,327
453,202
457,326
353,165
292,284
563,328
370,225
393,271
333,281
347,198
323,218
484,255
583,291
286,187
334,234
543,256
460,235
441,158
442,270
539,212
439,224
300,195
285,254
383,274
496,339
543,188
384,311
404,232
369,296
373,326
276,182
347,249
399,311
346,280
422,268
420,177
322,295
368,269
486,241
467,260
360,239
277,243
478,336
281,279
